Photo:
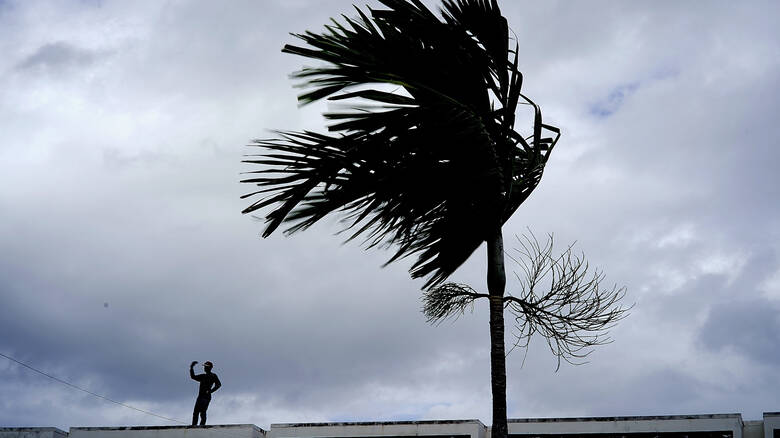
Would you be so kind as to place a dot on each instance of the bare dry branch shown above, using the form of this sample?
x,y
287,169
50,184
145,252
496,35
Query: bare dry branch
x,y
574,312
448,300
559,299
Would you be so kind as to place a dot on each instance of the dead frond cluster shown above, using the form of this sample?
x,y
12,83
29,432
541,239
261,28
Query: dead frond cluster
x,y
559,298
448,300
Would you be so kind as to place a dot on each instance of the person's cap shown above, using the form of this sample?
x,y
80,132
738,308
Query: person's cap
x,y
208,364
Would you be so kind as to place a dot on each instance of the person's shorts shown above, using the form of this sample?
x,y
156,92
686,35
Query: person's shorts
x,y
202,403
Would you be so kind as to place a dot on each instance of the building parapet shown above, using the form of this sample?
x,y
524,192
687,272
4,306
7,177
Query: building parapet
x,y
666,426
211,431
32,432
669,426
771,424
430,429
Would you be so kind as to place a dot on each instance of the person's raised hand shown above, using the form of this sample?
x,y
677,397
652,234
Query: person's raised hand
x,y
193,363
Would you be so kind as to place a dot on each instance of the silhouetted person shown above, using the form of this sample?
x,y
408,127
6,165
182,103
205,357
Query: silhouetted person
x,y
209,382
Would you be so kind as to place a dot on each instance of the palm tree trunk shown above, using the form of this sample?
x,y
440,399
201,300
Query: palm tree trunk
x,y
496,279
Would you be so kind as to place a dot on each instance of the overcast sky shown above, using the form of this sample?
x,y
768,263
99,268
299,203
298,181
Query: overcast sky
x,y
124,255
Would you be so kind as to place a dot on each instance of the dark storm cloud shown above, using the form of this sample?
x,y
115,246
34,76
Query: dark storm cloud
x,y
120,187
613,101
57,57
751,328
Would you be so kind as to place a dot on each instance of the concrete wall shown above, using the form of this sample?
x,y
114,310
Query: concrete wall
x,y
628,425
771,424
216,431
694,426
437,429
32,432
753,429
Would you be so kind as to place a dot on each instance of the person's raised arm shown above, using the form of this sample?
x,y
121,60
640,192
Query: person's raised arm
x,y
192,373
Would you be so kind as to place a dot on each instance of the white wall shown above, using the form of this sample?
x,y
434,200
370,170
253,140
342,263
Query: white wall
x,y
771,422
216,431
471,428
429,429
672,423
32,432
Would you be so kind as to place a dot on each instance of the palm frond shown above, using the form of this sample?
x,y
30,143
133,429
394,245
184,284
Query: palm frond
x,y
425,168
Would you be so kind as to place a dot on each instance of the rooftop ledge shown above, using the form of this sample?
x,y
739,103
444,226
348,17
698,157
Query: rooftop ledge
x,y
377,423
208,426
629,418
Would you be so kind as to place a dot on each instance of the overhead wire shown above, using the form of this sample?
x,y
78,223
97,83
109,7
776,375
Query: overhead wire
x,y
64,382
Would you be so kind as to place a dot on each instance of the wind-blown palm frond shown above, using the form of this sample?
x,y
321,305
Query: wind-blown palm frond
x,y
425,158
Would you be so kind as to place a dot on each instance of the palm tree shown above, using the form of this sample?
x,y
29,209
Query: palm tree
x,y
426,158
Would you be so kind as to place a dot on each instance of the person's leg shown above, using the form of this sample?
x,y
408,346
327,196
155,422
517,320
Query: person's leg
x,y
204,408
195,414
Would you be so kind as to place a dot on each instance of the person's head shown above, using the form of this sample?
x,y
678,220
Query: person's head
x,y
208,366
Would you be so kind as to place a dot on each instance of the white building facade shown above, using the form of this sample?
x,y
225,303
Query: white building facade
x,y
672,426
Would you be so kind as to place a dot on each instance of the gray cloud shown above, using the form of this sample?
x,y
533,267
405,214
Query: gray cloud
x,y
58,57
608,105
751,328
120,187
